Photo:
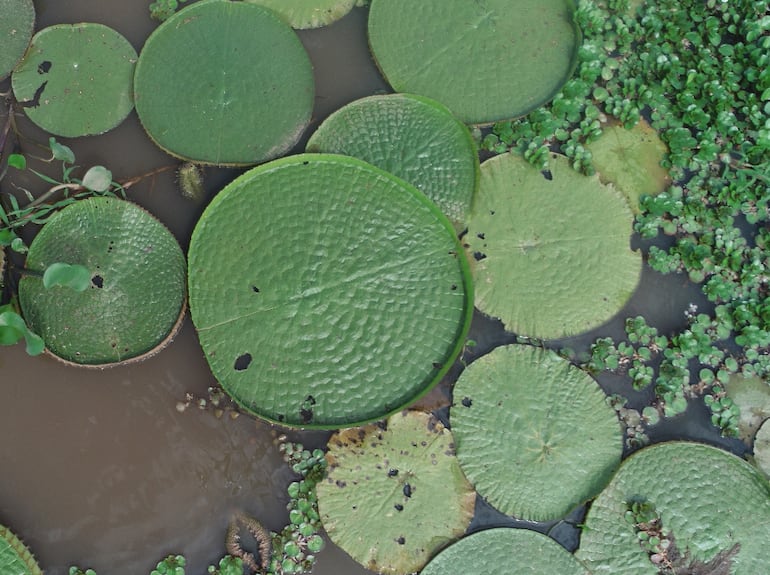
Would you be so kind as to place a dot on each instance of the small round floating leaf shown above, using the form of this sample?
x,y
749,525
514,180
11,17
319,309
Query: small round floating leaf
x,y
303,14
412,137
344,285
224,82
752,396
393,497
98,179
710,501
74,277
17,22
630,160
537,438
136,285
76,79
554,256
486,61
15,557
505,550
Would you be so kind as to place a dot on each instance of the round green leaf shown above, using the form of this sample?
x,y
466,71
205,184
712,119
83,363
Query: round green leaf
x,y
224,82
715,506
412,137
505,550
553,249
487,61
534,433
75,277
630,160
762,448
752,396
394,494
137,283
326,292
17,21
98,179
15,558
305,14
75,79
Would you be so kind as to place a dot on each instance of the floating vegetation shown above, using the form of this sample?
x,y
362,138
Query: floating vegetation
x,y
17,21
15,558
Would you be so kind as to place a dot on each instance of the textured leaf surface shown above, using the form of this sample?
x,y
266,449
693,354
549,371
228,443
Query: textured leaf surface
x,y
709,499
412,137
752,396
505,550
534,433
137,289
630,160
762,448
486,61
17,21
304,14
76,79
326,292
224,82
15,558
553,249
393,497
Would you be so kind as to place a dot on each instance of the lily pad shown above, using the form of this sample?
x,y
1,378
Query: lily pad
x,y
303,14
225,83
534,433
762,448
76,79
412,137
15,558
505,550
17,22
136,299
630,160
713,503
394,494
327,292
552,248
486,60
752,396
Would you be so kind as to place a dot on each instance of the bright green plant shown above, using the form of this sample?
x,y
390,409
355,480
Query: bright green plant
x,y
163,9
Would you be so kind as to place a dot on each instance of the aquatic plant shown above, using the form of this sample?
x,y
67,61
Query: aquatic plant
x,y
17,21
15,557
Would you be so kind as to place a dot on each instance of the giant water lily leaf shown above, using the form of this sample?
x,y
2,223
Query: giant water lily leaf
x,y
762,448
224,82
553,249
505,550
137,292
326,292
303,14
487,60
715,506
15,558
534,433
17,21
631,161
76,79
752,396
412,137
394,495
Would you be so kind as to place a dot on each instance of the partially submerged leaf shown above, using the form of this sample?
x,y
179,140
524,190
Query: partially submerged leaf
x,y
534,433
394,494
76,79
486,61
412,137
303,14
752,396
762,448
505,550
15,557
75,277
553,250
13,329
710,501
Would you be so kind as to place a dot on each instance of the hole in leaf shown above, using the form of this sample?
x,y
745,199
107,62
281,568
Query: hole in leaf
x,y
407,490
44,67
98,281
467,402
255,289
242,362
547,175
401,540
479,256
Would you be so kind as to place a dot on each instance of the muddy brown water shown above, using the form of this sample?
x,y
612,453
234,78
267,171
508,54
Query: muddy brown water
x,y
99,469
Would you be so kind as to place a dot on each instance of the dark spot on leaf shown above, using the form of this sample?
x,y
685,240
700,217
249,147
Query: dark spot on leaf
x,y
401,540
467,402
392,472
437,365
481,236
424,443
479,256
242,362
35,101
280,417
43,67
491,212
306,414
340,483
547,175
383,425
399,507
98,281
407,490
255,289
454,287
